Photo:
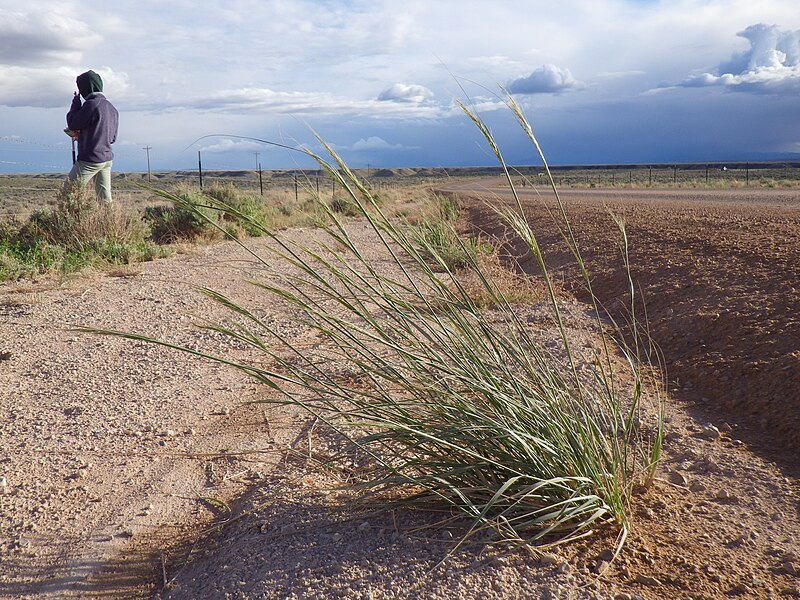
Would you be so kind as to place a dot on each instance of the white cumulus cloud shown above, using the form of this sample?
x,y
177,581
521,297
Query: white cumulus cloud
x,y
401,92
547,79
770,65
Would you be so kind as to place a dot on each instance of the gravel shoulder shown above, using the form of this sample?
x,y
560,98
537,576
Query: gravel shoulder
x,y
126,466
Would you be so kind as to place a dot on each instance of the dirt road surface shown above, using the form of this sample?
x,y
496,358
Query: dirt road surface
x,y
118,458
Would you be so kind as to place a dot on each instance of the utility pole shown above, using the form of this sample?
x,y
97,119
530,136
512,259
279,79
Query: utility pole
x,y
147,149
258,168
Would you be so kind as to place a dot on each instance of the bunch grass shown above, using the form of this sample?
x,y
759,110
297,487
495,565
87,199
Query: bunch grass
x,y
450,404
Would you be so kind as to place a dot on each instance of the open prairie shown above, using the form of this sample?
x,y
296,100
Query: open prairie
x,y
115,454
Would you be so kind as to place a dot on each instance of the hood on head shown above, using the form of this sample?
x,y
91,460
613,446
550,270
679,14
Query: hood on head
x,y
89,83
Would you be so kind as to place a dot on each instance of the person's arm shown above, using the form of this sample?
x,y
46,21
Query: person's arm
x,y
77,119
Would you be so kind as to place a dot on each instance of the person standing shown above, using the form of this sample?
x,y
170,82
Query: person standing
x,y
94,123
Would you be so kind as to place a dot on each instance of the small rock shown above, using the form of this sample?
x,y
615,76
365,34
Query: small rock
x,y
790,568
548,559
337,537
697,487
364,526
3,482
601,567
647,580
563,568
738,541
739,589
287,529
607,555
710,432
225,410
678,478
623,596
724,494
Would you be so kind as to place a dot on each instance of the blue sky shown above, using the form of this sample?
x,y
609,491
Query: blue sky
x,y
602,81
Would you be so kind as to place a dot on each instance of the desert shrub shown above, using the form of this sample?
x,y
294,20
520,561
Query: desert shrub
x,y
344,205
223,210
78,219
248,212
75,233
187,218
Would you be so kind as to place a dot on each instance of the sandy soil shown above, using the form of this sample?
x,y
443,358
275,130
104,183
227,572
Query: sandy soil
x,y
125,466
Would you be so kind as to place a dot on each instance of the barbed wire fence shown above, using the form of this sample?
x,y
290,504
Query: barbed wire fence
x,y
22,194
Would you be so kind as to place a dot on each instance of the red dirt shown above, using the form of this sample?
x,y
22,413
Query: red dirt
x,y
719,272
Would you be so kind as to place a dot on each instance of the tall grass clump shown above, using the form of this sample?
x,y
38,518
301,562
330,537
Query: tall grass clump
x,y
438,238
449,404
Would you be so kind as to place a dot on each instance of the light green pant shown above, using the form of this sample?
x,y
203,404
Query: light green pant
x,y
83,172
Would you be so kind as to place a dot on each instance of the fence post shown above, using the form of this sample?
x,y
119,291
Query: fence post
x,y
650,177
260,180
200,169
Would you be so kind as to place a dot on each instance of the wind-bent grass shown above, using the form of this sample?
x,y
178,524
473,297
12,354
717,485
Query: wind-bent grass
x,y
452,404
